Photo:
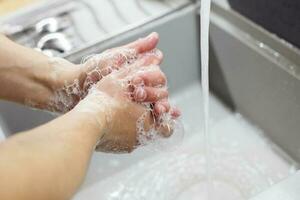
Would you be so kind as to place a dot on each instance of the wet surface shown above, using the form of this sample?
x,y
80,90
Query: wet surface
x,y
244,161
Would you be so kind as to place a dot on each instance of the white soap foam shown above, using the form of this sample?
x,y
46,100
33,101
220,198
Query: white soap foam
x,y
122,65
245,162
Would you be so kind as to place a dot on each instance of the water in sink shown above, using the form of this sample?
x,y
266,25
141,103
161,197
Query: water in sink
x,y
244,161
238,161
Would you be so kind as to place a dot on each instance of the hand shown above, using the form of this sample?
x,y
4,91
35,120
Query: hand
x,y
72,82
124,98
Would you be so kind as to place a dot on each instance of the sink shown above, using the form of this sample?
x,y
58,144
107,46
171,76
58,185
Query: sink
x,y
250,153
61,27
244,161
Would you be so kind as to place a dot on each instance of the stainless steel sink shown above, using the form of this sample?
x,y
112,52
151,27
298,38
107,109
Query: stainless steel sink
x,y
247,159
61,27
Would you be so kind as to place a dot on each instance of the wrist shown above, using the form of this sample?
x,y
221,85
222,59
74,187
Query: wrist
x,y
96,110
86,127
58,80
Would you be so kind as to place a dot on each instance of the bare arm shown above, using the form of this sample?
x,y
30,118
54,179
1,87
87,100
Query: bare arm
x,y
23,73
48,162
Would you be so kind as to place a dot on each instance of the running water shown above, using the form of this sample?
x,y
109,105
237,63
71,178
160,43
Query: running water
x,y
205,13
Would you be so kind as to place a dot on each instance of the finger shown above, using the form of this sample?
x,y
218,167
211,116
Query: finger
x,y
153,57
175,113
142,63
144,44
122,56
150,94
93,62
127,57
115,58
161,107
96,75
91,78
151,79
165,130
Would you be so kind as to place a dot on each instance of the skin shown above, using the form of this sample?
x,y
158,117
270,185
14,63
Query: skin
x,y
50,161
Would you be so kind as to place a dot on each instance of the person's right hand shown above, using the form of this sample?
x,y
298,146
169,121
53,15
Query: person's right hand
x,y
126,98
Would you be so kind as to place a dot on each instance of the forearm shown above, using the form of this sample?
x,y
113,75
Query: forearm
x,y
50,161
24,73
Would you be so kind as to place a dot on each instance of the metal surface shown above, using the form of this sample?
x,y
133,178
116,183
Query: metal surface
x,y
280,17
288,189
28,17
258,81
54,41
82,22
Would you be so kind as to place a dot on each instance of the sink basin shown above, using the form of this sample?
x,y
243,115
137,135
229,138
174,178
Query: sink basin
x,y
247,159
244,162
16,118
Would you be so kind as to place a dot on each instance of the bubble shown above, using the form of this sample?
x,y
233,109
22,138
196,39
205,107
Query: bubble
x,y
154,140
99,65
114,58
174,141
65,98
87,58
117,63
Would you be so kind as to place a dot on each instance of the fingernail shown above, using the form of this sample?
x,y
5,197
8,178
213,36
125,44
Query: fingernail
x,y
175,113
161,109
155,52
151,36
140,94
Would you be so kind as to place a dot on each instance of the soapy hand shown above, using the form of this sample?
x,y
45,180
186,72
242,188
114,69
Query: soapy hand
x,y
72,82
124,84
126,98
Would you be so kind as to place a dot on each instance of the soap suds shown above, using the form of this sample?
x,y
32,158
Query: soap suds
x,y
110,62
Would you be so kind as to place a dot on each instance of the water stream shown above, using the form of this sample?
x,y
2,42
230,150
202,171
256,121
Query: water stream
x,y
204,24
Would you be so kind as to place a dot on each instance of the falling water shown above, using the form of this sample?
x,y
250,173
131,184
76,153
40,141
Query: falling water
x,y
204,24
